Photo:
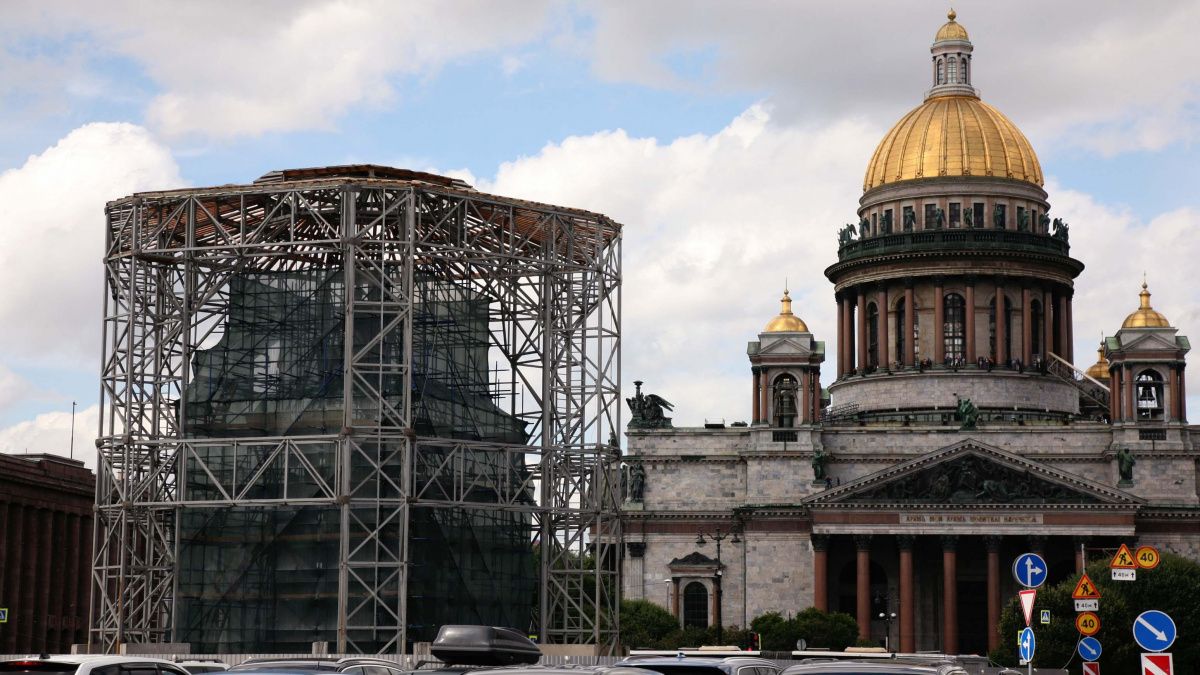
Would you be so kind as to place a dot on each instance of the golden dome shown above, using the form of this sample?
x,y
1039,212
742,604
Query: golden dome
x,y
1145,316
786,322
1099,369
953,135
951,30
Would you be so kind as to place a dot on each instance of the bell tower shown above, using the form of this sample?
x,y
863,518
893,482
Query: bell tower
x,y
785,362
1146,373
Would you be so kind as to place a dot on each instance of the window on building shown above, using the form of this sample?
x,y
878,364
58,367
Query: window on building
x,y
1034,224
966,75
954,326
941,75
1149,395
955,214
785,393
1006,353
887,219
978,217
908,218
874,223
1020,217
930,215
1000,216
695,605
952,70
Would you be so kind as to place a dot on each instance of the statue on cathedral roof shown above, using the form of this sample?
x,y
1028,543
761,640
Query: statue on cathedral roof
x,y
647,410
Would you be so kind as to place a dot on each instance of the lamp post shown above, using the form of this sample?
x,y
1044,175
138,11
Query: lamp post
x,y
887,618
718,537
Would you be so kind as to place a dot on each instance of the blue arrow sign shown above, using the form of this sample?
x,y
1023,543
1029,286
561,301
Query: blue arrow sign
x,y
1154,630
1030,570
1089,649
1026,645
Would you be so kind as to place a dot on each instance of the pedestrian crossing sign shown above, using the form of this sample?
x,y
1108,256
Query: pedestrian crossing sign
x,y
3,615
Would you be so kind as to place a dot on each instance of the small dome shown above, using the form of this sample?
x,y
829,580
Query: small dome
x,y
951,30
1099,369
1145,316
953,136
786,322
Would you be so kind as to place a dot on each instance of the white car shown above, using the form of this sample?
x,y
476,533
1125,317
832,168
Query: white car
x,y
87,664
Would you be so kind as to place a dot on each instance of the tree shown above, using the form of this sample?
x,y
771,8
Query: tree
x,y
834,631
1173,587
645,624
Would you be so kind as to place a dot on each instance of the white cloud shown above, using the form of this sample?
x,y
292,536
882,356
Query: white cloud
x,y
51,433
52,238
713,225
233,68
13,387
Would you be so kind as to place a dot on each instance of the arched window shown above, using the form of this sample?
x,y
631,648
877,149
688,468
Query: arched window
x,y
1006,353
695,605
1037,328
1149,395
955,326
872,336
901,317
952,71
941,75
784,395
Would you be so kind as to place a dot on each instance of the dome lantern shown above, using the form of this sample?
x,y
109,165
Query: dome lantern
x,y
786,322
951,52
1145,316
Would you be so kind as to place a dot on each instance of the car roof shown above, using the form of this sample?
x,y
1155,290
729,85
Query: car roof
x,y
872,666
101,659
695,660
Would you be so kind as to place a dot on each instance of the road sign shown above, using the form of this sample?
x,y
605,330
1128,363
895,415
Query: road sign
x,y
1085,589
1091,668
1046,617
1027,597
1147,557
1154,630
1027,645
1157,664
1030,570
1124,575
3,615
1087,623
1123,560
1087,605
1089,649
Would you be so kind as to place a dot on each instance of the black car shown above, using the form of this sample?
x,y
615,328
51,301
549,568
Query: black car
x,y
874,667
703,665
486,650
318,666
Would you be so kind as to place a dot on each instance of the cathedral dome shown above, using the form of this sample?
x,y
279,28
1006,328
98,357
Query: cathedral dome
x,y
1145,316
786,322
1099,369
953,135
951,30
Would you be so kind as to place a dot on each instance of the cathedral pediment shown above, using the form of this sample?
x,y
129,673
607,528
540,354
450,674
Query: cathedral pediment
x,y
971,473
788,345
1145,340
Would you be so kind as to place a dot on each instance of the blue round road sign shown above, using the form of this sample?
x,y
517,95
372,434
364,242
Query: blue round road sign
x,y
1089,649
1027,645
1030,570
1154,630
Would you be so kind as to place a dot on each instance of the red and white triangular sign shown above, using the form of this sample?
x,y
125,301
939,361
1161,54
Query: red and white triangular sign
x,y
1091,668
1157,664
1027,597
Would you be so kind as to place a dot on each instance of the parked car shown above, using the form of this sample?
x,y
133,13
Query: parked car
x,y
703,665
198,666
897,666
309,665
86,664
487,650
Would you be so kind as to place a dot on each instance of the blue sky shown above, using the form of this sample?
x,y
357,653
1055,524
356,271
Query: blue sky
x,y
729,138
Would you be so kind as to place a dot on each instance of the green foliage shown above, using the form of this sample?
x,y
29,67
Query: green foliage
x,y
645,624
834,631
1173,587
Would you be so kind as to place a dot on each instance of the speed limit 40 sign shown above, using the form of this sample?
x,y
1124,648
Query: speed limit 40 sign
x,y
1087,623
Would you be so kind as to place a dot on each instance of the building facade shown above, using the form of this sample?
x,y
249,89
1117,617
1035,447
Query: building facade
x,y
45,552
956,432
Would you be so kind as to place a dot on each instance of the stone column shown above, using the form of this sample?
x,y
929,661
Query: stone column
x,y
993,590
939,321
757,375
969,334
1172,386
861,360
1026,328
816,395
950,594
5,572
1001,352
1114,394
862,590
675,600
841,336
804,405
75,576
86,525
1182,393
1130,415
908,637
13,576
820,544
881,302
910,318
764,390
1070,347
1047,323
1061,317
847,335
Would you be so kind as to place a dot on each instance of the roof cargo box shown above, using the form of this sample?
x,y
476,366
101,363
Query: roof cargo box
x,y
483,646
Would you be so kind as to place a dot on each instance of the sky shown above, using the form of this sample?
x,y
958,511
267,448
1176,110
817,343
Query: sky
x,y
729,139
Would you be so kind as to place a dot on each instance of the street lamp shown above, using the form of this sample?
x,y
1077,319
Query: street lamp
x,y
887,618
718,537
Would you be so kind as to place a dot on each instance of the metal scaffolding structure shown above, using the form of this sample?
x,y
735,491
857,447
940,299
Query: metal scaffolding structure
x,y
325,390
